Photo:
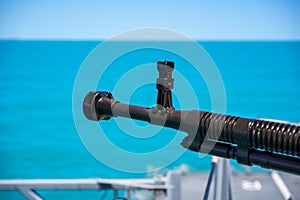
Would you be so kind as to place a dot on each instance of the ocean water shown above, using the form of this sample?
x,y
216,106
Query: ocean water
x,y
38,134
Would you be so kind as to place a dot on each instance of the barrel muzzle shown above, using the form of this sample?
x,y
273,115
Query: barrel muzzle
x,y
90,105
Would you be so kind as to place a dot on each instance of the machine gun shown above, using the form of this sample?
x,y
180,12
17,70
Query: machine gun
x,y
271,145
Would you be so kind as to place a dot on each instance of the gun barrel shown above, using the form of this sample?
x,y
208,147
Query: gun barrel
x,y
265,143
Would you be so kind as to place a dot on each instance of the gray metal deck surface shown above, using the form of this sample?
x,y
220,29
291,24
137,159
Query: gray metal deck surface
x,y
193,186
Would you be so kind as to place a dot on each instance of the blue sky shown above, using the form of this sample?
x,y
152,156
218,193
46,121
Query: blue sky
x,y
202,19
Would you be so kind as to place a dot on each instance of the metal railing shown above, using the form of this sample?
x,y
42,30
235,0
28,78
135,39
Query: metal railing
x,y
163,187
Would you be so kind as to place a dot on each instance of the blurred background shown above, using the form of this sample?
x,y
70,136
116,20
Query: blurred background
x,y
255,46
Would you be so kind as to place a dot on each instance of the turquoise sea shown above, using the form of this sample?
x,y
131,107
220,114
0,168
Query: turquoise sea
x,y
38,135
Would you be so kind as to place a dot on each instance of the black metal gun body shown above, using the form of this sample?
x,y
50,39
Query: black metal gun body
x,y
268,144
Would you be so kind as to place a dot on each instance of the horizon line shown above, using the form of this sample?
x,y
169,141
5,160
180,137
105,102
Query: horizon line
x,y
195,39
